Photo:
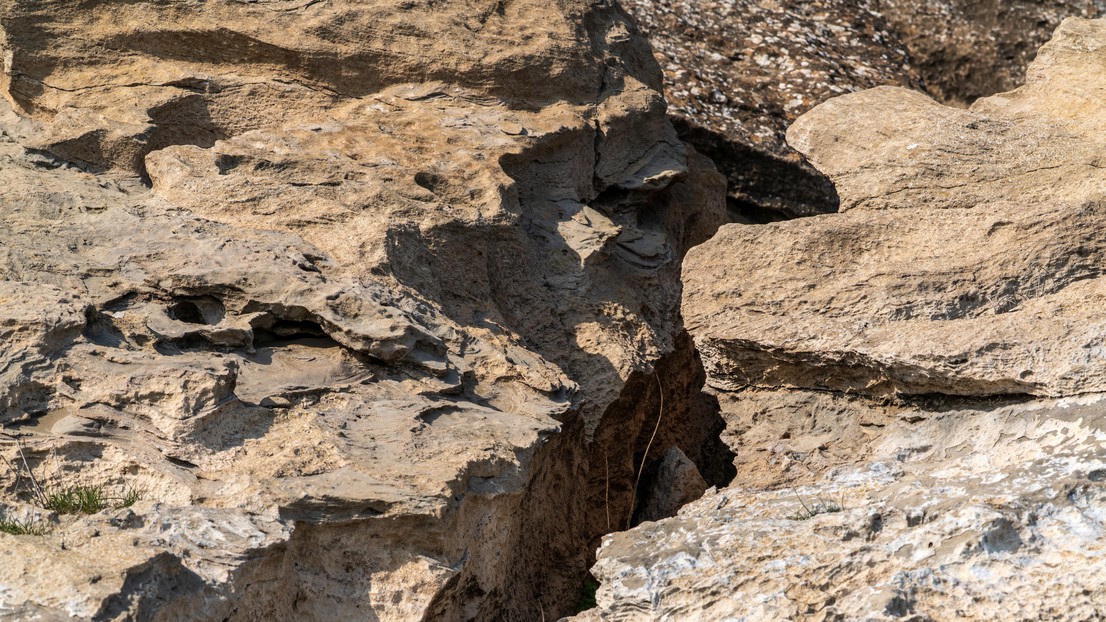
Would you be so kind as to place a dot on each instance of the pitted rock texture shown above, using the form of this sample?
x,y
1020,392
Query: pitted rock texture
x,y
356,295
176,329
913,387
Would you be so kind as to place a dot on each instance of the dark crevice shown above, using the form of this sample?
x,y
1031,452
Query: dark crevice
x,y
690,420
761,187
282,332
100,330
205,310
932,402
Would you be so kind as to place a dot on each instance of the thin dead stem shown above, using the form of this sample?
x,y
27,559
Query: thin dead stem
x,y
607,489
645,456
36,488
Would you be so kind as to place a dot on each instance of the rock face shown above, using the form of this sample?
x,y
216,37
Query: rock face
x,y
356,297
739,73
913,387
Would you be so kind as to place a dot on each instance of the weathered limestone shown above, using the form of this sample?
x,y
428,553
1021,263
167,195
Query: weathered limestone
x,y
965,262
913,387
357,296
951,514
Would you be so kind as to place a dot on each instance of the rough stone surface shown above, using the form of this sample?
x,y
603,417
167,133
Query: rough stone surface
x,y
966,261
950,514
738,74
913,387
676,483
357,296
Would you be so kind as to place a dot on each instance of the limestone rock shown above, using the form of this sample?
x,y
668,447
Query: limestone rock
x,y
174,413
117,80
351,293
965,262
913,387
954,513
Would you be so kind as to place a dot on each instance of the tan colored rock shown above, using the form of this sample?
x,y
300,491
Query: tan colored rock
x,y
37,322
990,301
120,80
913,387
965,262
398,279
175,415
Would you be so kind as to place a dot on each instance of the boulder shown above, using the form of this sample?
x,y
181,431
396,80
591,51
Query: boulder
x,y
964,262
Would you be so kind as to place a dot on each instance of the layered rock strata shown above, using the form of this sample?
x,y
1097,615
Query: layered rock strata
x,y
913,387
353,297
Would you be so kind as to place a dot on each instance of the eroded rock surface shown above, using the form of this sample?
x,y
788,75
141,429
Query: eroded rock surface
x,y
739,73
913,387
950,514
356,296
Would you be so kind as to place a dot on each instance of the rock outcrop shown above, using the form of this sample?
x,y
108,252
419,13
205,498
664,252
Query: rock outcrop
x,y
349,311
913,387
738,74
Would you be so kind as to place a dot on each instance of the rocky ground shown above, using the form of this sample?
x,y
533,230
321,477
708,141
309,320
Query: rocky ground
x,y
378,311
913,387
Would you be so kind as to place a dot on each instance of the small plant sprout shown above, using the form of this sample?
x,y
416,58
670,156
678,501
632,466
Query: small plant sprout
x,y
77,500
88,500
17,527
130,497
66,498
814,509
